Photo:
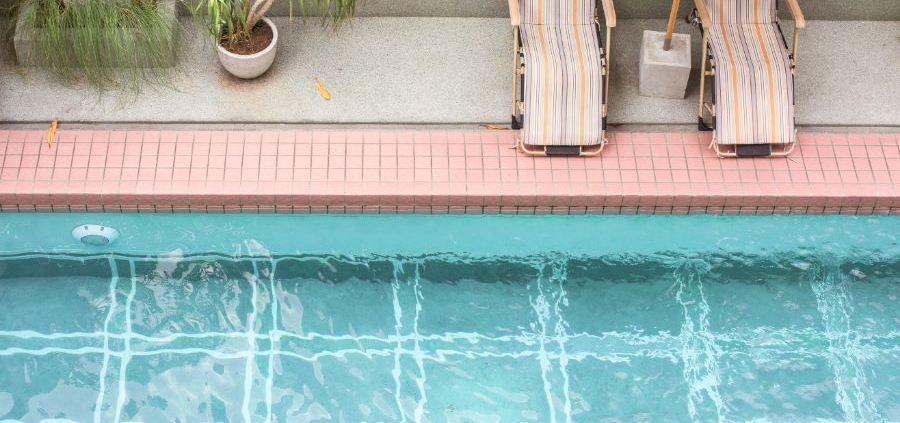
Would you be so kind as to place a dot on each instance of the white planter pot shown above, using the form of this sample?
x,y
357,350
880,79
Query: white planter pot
x,y
253,65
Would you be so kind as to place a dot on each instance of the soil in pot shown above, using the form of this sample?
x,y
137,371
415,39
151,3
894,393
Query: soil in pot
x,y
260,38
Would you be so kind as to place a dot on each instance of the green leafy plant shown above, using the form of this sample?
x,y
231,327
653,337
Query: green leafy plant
x,y
231,21
101,42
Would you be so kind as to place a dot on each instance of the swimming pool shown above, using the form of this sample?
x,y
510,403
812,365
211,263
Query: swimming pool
x,y
269,318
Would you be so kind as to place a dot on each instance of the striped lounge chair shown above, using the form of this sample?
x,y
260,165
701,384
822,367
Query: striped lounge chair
x,y
751,110
560,80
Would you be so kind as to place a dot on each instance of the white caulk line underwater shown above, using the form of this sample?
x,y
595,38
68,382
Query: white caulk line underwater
x,y
52,350
634,338
662,345
833,299
439,355
204,351
542,311
30,334
398,327
251,343
275,342
699,351
781,339
449,337
560,274
104,368
417,351
667,342
126,354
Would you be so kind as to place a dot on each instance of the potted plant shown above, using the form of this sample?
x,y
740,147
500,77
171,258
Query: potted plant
x,y
94,40
247,40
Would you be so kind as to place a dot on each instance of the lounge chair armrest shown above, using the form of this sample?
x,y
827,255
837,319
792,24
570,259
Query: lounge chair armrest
x,y
514,16
703,12
796,13
609,13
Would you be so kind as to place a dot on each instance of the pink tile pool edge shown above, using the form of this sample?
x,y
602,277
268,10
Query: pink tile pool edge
x,y
435,172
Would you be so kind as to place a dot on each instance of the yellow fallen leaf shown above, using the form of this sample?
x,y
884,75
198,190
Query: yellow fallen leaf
x,y
322,90
51,132
495,127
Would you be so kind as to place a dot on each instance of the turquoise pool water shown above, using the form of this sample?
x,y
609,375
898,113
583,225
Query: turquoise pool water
x,y
451,319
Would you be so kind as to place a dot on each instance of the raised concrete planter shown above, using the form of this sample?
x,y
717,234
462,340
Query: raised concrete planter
x,y
26,38
251,65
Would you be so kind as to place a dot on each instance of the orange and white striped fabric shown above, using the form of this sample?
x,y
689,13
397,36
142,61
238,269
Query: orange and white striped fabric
x,y
563,74
754,86
557,12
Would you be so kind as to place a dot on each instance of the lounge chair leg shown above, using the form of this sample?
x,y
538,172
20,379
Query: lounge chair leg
x,y
594,150
525,148
701,125
517,78
784,150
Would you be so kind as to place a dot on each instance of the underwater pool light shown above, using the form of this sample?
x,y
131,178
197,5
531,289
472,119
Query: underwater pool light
x,y
95,234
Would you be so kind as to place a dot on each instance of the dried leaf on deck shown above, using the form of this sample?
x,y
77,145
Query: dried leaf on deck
x,y
494,127
323,91
51,132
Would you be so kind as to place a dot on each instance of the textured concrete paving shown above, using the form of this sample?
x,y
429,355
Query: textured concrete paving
x,y
847,76
850,73
397,70
625,9
812,9
448,70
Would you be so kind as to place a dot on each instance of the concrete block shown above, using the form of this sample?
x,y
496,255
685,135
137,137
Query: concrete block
x,y
664,73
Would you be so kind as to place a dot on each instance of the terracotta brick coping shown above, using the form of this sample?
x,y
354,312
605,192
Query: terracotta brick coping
x,y
337,171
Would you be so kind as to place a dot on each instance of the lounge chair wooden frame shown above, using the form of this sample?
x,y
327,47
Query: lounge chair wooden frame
x,y
518,105
701,16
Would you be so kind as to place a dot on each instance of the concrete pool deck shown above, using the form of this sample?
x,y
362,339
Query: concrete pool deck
x,y
435,171
446,71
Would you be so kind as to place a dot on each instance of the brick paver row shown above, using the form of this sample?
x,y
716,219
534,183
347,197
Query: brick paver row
x,y
435,172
